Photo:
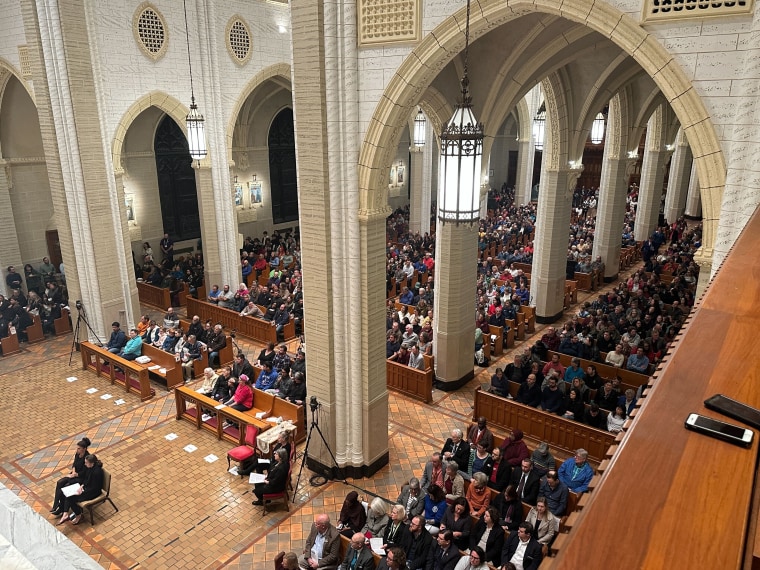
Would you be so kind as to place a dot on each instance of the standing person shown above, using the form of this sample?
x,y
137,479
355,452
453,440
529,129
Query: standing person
x,y
216,342
167,248
13,279
322,549
33,279
91,486
75,476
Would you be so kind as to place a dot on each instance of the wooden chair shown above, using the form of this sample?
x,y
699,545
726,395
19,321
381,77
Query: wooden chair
x,y
102,498
243,452
268,498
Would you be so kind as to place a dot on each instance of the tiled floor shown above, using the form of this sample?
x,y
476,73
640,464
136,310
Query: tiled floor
x,y
176,510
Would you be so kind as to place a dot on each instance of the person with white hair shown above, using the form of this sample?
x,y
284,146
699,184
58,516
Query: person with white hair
x,y
209,380
457,450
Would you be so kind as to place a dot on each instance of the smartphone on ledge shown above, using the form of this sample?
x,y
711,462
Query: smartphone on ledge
x,y
734,409
720,430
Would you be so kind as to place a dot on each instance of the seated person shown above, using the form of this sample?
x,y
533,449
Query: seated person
x,y
499,383
267,378
295,392
352,515
411,498
576,473
435,508
242,400
529,392
456,450
133,348
638,362
209,381
118,339
453,482
252,310
277,477
552,398
457,520
594,416
478,495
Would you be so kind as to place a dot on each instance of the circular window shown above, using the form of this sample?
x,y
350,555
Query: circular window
x,y
238,40
150,31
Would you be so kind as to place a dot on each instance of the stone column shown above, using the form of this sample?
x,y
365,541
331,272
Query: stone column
x,y
206,209
10,253
652,178
694,199
678,180
454,324
220,221
417,209
610,214
91,219
344,286
547,278
524,182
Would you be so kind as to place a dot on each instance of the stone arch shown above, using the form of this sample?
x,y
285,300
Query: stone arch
x,y
556,149
168,104
7,67
439,47
281,70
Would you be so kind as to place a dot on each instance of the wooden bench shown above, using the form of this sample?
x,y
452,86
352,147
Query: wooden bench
x,y
250,327
496,345
62,325
225,355
606,371
557,431
289,411
34,332
10,345
201,410
417,384
134,378
530,318
153,296
173,375
585,281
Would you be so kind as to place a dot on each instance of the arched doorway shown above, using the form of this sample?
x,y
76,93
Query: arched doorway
x,y
282,168
176,182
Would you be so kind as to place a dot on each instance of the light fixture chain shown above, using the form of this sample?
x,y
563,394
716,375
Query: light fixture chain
x,y
189,61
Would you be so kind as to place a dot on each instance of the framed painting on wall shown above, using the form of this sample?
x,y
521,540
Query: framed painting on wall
x,y
238,194
392,177
400,174
255,188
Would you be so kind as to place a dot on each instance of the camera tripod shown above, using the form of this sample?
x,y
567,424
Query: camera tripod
x,y
314,405
81,318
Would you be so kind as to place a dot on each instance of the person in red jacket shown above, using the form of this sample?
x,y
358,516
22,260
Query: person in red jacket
x,y
514,450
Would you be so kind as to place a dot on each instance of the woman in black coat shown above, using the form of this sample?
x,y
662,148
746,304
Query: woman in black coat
x,y
75,476
495,540
91,486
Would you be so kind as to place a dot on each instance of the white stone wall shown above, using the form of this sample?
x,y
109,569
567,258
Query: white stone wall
x,y
11,32
32,210
170,74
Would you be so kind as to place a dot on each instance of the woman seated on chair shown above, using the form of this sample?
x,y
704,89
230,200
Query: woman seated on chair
x,y
75,476
283,442
91,486
276,480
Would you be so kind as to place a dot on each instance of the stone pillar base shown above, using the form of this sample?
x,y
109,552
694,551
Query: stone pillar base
x,y
353,471
549,319
451,385
611,278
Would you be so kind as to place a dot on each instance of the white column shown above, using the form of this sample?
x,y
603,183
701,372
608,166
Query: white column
x,y
524,181
223,236
650,191
610,214
547,278
678,181
10,253
454,309
694,198
419,204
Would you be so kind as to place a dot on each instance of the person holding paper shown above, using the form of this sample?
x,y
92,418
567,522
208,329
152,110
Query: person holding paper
x,y
75,476
91,486
277,478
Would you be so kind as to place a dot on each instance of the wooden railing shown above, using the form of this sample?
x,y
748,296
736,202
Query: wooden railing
x,y
417,384
555,430
250,327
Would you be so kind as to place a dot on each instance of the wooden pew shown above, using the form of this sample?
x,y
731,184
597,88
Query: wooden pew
x,y
225,355
135,377
166,360
250,327
288,411
10,344
34,332
557,431
585,281
153,296
62,324
193,407
496,346
530,318
607,371
417,384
